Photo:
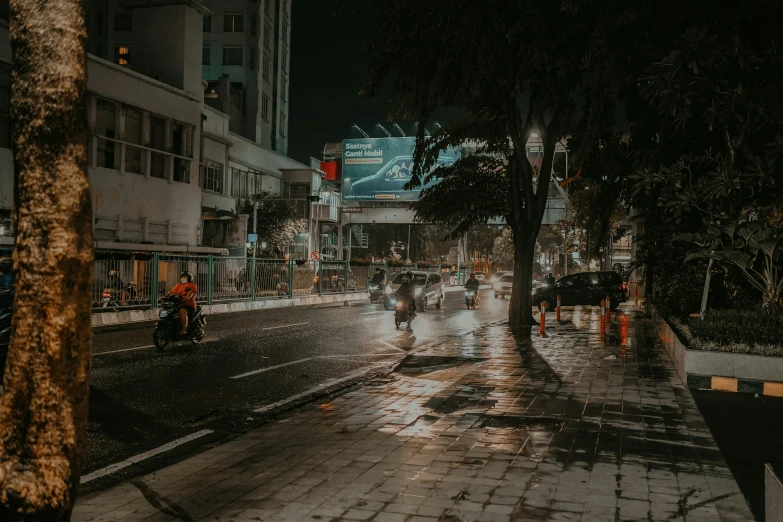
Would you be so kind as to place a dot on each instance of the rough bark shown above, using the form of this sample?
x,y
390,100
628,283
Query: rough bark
x,y
43,412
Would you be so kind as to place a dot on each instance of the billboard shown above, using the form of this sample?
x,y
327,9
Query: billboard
x,y
377,169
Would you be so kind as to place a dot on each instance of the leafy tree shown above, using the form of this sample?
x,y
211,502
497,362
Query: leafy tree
x,y
512,68
715,176
43,411
277,223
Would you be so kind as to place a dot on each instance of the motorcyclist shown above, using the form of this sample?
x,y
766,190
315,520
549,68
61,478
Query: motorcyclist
x,y
115,284
187,289
379,278
472,283
549,280
407,291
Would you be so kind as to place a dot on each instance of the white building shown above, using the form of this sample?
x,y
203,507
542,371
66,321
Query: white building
x,y
244,57
168,172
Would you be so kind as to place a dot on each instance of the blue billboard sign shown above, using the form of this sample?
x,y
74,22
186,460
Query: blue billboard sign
x,y
377,169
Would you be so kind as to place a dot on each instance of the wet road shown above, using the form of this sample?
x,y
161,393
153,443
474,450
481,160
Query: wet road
x,y
142,398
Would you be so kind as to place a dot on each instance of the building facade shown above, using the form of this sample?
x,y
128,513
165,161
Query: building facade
x,y
169,170
244,53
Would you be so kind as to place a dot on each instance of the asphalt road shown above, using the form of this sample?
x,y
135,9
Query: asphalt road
x,y
142,398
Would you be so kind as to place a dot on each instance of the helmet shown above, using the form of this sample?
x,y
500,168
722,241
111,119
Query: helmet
x,y
473,274
188,275
406,279
383,270
409,274
378,270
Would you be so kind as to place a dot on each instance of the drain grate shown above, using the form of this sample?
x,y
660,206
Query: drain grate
x,y
238,422
523,422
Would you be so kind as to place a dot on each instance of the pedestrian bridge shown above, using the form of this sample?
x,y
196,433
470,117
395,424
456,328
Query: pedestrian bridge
x,y
359,215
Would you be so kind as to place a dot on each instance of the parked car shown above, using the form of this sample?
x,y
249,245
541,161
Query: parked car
x,y
583,288
503,287
429,289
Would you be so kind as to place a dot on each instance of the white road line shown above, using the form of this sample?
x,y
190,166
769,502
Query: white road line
x,y
125,350
390,345
361,355
373,313
269,368
108,470
285,326
318,388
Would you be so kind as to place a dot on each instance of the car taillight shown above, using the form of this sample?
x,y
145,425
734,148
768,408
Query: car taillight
x,y
623,287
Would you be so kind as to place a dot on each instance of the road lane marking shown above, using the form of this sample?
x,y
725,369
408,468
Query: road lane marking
x,y
285,326
125,350
318,388
270,368
390,345
373,313
108,470
358,355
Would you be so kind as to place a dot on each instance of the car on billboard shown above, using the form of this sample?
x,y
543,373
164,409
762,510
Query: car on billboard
x,y
389,182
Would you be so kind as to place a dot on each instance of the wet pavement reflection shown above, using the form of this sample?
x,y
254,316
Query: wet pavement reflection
x,y
488,425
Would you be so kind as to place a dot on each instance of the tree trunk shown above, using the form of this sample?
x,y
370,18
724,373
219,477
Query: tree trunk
x,y
520,310
44,409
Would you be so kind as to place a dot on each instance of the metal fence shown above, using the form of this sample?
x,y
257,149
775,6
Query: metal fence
x,y
138,281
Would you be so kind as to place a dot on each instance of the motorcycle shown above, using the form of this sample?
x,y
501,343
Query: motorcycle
x,y
402,313
471,298
377,293
168,327
113,297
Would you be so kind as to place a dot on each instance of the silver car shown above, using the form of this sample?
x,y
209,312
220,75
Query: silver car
x,y
503,287
429,289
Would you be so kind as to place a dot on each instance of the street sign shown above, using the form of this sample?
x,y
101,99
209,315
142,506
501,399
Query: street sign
x,y
252,238
315,255
352,210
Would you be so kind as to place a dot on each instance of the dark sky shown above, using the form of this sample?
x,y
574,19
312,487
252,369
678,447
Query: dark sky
x,y
327,71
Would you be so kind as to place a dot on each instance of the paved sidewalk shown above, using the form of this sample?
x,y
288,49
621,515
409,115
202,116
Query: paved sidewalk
x,y
490,426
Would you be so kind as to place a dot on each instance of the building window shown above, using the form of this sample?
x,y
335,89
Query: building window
x,y
157,142
284,32
212,178
123,22
253,25
267,36
205,56
232,56
265,107
105,125
131,135
283,88
282,125
267,61
207,24
232,23
252,58
181,145
122,55
270,5
284,61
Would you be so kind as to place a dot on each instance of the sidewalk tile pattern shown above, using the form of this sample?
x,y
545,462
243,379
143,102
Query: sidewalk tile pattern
x,y
492,426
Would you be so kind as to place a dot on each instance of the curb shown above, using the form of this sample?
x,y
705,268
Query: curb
x,y
139,316
731,384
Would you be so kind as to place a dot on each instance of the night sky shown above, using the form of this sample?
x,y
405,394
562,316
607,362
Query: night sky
x,y
327,71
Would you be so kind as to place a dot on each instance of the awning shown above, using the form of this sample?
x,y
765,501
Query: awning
x,y
214,213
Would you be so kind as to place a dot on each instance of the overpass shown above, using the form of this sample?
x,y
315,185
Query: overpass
x,y
354,214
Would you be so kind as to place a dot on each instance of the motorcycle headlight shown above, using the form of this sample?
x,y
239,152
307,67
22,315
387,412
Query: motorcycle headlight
x,y
399,304
164,313
388,289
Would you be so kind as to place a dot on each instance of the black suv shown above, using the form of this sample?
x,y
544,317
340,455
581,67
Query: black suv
x,y
583,288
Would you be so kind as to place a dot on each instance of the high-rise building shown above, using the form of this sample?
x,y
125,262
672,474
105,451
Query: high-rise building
x,y
245,58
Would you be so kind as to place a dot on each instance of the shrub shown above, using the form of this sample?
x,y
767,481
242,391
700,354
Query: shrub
x,y
752,326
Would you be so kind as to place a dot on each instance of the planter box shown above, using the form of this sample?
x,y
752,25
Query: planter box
x,y
717,364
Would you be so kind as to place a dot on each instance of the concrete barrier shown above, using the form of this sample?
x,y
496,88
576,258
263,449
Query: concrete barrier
x,y
136,316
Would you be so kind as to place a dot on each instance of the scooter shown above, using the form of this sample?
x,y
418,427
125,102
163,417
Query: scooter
x,y
168,327
471,298
377,293
402,313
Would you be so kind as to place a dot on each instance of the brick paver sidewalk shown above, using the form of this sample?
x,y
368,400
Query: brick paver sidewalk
x,y
490,426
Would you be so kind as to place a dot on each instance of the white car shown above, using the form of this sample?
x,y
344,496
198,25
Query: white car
x,y
497,275
429,289
503,287
480,277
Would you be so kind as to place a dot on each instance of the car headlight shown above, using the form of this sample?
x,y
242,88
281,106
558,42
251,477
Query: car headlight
x,y
388,289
